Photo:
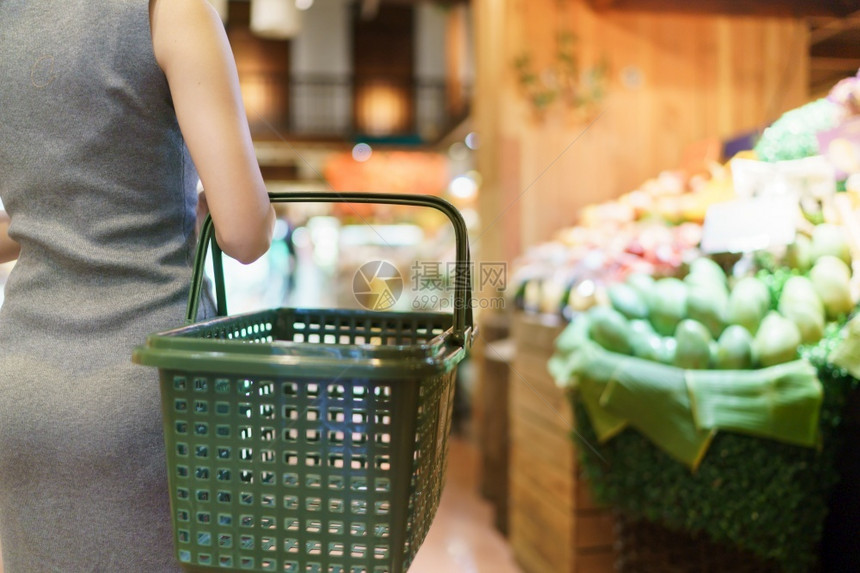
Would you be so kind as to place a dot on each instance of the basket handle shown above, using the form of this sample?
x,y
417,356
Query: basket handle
x,y
462,319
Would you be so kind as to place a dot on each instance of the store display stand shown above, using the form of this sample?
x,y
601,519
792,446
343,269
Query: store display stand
x,y
554,524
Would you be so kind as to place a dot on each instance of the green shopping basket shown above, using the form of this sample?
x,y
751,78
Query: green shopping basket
x,y
308,440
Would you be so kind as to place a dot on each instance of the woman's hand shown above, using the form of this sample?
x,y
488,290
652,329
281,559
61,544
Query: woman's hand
x,y
202,211
9,249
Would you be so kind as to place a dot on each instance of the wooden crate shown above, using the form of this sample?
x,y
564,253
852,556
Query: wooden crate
x,y
554,525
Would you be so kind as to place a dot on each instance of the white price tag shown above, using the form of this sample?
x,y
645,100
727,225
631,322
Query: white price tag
x,y
750,224
800,178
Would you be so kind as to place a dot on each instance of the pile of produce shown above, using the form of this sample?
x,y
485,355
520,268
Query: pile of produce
x,y
707,320
651,230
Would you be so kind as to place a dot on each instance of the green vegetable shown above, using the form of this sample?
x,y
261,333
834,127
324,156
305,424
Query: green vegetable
x,y
708,305
643,340
644,285
610,329
800,290
669,305
734,349
834,265
576,333
666,350
777,340
641,327
626,300
714,352
693,345
809,322
793,135
800,304
799,254
748,303
831,279
775,280
647,346
753,288
708,269
829,239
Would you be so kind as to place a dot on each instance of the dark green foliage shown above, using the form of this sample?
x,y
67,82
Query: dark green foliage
x,y
763,496
775,279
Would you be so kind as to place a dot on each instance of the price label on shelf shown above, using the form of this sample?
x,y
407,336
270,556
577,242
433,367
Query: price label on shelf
x,y
800,178
750,224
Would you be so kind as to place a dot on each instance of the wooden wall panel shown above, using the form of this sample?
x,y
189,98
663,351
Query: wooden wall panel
x,y
264,70
700,76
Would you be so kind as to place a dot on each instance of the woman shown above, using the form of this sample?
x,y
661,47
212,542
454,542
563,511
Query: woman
x,y
106,108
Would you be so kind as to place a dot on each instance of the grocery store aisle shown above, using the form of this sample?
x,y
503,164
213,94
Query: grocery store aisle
x,y
462,538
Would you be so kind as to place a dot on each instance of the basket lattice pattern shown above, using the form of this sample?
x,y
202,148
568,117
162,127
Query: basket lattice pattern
x,y
304,474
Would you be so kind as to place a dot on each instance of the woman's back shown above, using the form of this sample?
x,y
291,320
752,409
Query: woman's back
x,y
101,192
93,170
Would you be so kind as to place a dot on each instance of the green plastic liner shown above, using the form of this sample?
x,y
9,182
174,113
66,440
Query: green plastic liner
x,y
680,410
780,403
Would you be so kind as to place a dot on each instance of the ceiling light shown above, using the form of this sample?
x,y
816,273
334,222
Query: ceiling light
x,y
275,19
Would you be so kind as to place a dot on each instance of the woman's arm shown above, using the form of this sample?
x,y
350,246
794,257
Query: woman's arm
x,y
9,249
192,48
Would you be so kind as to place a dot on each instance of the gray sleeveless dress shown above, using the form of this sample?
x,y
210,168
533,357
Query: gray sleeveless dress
x,y
101,191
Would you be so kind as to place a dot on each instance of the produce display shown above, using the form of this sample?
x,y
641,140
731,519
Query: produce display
x,y
710,320
732,377
711,395
657,228
652,230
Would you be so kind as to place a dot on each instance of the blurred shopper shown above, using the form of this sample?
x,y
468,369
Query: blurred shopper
x,y
105,110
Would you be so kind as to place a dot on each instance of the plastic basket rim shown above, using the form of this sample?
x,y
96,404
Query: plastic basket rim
x,y
175,349
181,333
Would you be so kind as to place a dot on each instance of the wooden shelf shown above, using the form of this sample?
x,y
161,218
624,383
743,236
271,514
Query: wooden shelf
x,y
787,8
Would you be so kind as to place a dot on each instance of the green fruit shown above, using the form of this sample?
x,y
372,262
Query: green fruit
x,y
799,254
748,303
708,305
831,280
714,353
669,305
754,289
800,290
626,300
666,350
735,349
640,327
693,345
829,239
647,346
643,340
707,269
809,320
833,265
609,329
575,334
777,340
801,304
643,284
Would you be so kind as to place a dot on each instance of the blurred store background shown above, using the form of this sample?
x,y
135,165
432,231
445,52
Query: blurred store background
x,y
551,125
